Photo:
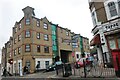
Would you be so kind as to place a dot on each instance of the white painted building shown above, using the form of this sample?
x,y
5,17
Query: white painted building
x,y
105,15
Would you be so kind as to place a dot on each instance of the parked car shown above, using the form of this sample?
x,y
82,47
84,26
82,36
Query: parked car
x,y
79,63
52,67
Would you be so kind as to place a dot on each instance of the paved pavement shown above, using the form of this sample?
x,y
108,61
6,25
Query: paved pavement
x,y
52,76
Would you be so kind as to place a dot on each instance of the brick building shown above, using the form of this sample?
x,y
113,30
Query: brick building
x,y
38,42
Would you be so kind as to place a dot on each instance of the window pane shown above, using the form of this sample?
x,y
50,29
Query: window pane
x,y
38,65
38,35
27,47
67,33
38,48
46,63
46,49
77,55
15,40
14,52
112,9
38,23
27,33
19,26
112,44
28,65
19,50
119,4
27,21
118,42
45,25
19,37
46,37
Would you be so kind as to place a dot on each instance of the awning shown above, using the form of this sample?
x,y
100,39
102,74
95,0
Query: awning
x,y
95,40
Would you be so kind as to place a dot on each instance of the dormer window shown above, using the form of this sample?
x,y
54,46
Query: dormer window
x,y
112,9
27,21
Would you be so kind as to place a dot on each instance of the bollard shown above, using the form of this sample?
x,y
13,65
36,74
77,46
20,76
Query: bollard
x,y
84,68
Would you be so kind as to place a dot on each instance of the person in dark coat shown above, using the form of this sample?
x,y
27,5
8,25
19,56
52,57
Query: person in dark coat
x,y
25,69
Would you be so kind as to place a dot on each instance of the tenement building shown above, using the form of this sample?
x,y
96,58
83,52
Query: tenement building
x,y
106,20
38,42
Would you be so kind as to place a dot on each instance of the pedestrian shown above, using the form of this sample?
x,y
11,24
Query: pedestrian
x,y
25,70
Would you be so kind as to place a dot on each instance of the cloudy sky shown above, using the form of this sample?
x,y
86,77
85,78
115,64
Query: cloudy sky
x,y
72,14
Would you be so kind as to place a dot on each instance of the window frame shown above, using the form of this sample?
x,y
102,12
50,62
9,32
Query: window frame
x,y
15,52
15,40
45,26
46,37
38,48
20,26
19,37
27,48
27,21
46,49
27,34
112,9
19,50
38,35
67,33
38,23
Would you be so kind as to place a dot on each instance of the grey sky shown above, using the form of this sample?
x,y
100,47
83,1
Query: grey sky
x,y
72,14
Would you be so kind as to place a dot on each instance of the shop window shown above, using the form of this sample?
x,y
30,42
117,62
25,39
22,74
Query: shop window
x,y
118,40
112,9
112,44
46,63
28,65
77,55
38,65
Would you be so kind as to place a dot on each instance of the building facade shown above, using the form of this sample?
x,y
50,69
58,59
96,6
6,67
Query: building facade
x,y
106,20
37,43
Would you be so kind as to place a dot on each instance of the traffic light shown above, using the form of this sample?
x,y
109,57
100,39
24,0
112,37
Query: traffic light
x,y
11,61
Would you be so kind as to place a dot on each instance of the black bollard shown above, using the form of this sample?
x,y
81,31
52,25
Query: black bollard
x,y
84,68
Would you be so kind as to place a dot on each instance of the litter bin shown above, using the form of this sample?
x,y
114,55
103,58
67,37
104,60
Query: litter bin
x,y
67,70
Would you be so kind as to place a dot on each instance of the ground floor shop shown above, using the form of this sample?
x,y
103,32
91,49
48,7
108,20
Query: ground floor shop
x,y
29,64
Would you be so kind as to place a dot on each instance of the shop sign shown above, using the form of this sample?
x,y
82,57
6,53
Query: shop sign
x,y
111,27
